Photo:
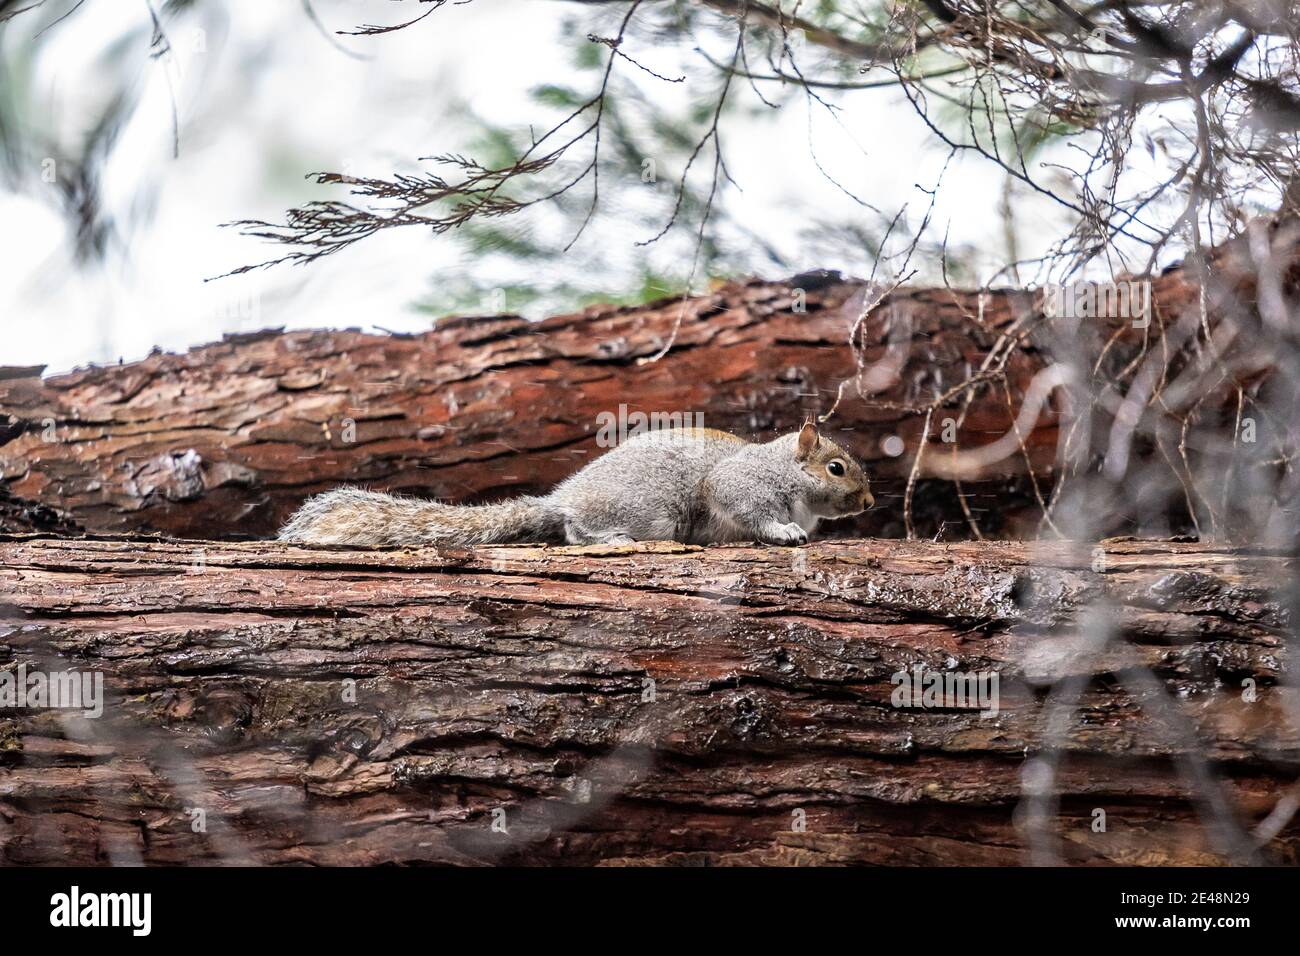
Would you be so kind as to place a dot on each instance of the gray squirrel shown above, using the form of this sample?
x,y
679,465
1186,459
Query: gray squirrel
x,y
694,485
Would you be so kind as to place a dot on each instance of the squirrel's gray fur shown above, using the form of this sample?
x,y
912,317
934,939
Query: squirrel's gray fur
x,y
694,485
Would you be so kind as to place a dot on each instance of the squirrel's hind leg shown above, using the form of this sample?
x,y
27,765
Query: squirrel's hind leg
x,y
574,533
614,537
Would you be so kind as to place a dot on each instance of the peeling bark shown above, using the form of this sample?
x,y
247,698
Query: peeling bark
x,y
226,440
18,516
645,704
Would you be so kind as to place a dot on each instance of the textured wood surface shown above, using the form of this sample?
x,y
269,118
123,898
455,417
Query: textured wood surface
x,y
226,440
643,704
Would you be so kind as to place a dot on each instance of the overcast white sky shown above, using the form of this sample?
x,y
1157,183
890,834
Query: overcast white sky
x,y
247,136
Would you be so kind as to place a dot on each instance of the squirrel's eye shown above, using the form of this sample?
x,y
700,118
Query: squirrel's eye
x,y
836,468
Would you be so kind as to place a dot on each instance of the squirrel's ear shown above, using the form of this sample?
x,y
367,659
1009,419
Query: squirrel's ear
x,y
808,439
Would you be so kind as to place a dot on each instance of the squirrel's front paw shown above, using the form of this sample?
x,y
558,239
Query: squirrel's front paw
x,y
786,534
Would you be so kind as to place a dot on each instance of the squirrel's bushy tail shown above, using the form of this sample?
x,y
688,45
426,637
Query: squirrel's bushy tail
x,y
368,518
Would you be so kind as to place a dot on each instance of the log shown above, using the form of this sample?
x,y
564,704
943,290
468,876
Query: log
x,y
18,516
647,704
227,440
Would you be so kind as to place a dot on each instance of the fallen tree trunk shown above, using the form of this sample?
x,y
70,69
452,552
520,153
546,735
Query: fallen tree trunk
x,y
647,704
226,440
19,517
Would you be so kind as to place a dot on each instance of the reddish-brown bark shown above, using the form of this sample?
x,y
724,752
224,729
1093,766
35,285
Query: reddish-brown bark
x,y
226,440
642,704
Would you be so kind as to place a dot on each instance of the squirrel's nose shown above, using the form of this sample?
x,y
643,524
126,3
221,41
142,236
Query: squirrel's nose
x,y
867,500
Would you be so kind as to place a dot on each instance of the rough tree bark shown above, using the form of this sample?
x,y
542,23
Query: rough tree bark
x,y
225,441
644,704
